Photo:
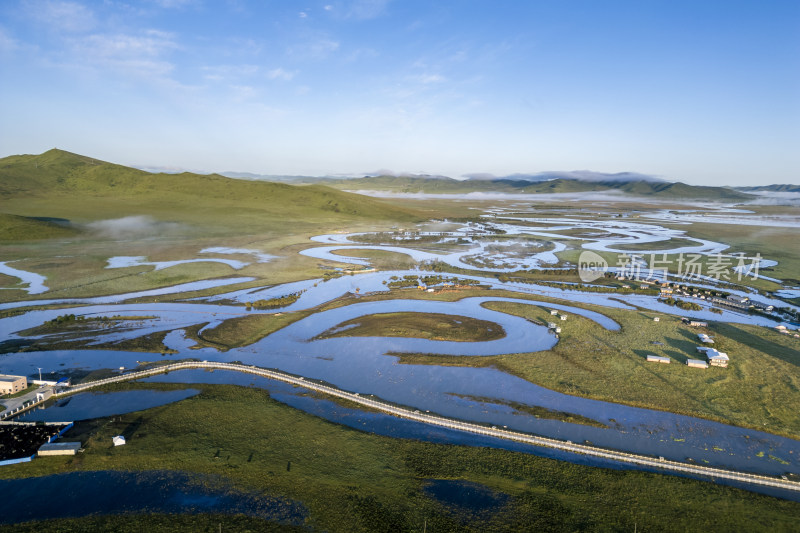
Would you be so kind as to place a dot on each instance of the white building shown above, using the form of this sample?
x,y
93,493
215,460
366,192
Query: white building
x,y
715,357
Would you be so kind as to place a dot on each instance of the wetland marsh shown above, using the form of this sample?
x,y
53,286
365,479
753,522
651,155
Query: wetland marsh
x,y
467,343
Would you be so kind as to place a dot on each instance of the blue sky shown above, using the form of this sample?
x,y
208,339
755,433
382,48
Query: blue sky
x,y
706,92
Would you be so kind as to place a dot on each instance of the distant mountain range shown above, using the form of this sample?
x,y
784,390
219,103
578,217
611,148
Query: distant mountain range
x,y
581,181
621,183
771,188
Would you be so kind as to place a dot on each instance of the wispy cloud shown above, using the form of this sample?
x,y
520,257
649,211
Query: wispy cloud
x,y
172,4
228,72
7,43
427,79
60,17
141,55
357,9
314,49
366,9
243,93
280,74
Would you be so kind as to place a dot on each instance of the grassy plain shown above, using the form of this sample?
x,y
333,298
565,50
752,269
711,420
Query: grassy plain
x,y
245,330
433,326
380,259
353,481
757,390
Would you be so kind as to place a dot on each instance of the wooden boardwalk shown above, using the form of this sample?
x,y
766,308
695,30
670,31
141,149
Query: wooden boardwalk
x,y
435,420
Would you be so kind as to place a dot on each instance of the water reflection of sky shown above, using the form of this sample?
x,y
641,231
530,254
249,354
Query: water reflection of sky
x,y
86,405
116,492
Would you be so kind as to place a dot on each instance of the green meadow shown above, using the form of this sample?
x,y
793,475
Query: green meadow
x,y
354,481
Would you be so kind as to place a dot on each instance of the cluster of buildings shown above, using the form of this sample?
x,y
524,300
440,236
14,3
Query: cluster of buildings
x,y
713,357
553,325
732,301
743,303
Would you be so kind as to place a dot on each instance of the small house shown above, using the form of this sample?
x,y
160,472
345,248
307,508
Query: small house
x,y
551,325
657,359
558,330
696,363
656,319
563,317
553,312
119,440
717,358
705,339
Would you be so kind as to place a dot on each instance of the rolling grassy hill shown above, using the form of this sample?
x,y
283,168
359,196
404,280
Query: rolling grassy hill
x,y
62,184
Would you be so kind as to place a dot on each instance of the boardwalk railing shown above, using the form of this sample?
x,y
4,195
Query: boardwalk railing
x,y
427,418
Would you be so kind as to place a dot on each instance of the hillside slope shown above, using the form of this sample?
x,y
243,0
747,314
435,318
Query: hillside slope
x,y
62,184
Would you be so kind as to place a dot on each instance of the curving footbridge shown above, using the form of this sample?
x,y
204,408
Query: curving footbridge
x,y
435,420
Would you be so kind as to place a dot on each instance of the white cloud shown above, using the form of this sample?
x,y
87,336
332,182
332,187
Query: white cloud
x,y
357,9
223,72
7,43
171,4
318,49
302,14
140,55
280,74
242,93
59,16
427,79
367,9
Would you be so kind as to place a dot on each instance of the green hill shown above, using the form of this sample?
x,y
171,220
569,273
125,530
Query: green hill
x,y
658,189
62,184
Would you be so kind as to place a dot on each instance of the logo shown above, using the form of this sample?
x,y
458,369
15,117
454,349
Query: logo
x,y
591,266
